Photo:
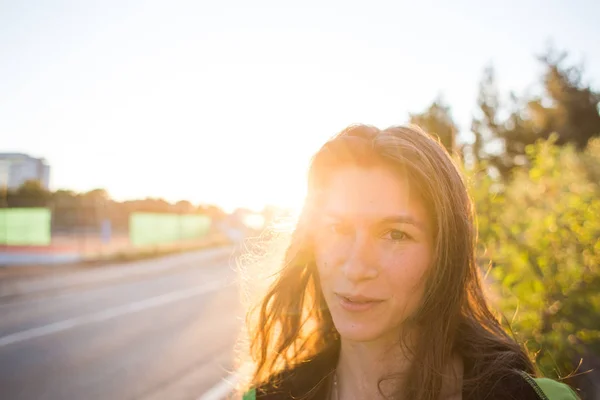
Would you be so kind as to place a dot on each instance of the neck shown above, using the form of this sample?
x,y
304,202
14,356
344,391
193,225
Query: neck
x,y
363,364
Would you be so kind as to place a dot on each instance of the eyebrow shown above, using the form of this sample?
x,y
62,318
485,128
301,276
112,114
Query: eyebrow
x,y
393,219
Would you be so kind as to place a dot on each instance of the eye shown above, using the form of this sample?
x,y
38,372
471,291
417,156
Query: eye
x,y
396,235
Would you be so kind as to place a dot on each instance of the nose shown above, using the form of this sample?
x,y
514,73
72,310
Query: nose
x,y
361,263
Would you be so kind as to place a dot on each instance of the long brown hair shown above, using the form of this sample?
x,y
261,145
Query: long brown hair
x,y
291,323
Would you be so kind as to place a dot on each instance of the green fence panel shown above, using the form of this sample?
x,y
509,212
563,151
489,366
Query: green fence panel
x,y
25,226
194,226
146,229
149,228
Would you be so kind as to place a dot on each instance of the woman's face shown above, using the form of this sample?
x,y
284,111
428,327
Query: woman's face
x,y
373,245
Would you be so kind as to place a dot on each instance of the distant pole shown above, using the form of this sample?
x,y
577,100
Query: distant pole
x,y
4,170
182,216
79,227
105,229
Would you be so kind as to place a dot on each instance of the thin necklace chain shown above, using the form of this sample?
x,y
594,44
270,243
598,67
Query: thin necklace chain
x,y
335,386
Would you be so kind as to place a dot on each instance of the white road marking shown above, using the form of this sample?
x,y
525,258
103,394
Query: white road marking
x,y
221,389
110,313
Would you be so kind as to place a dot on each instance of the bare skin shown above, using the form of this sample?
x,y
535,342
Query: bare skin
x,y
374,246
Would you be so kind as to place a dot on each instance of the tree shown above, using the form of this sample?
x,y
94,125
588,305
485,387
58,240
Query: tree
x,y
64,196
30,194
96,196
214,212
499,143
572,106
485,126
437,121
150,204
567,107
546,273
184,207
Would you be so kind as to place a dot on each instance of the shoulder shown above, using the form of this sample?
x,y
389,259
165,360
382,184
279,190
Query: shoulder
x,y
550,389
521,386
308,380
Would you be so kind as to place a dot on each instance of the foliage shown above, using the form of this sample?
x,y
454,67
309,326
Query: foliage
x,y
566,106
85,211
486,124
541,233
437,121
30,194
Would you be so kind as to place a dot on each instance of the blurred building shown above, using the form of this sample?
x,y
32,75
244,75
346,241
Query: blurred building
x,y
17,168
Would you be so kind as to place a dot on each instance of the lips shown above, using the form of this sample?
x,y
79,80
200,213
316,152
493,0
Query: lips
x,y
357,303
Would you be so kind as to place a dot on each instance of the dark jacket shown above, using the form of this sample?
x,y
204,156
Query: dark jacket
x,y
312,381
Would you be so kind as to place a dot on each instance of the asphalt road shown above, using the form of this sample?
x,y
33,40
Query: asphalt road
x,y
166,335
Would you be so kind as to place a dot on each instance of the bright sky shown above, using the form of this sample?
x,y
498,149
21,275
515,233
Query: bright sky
x,y
224,102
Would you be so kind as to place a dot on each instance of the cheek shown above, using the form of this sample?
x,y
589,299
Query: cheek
x,y
405,271
325,266
329,257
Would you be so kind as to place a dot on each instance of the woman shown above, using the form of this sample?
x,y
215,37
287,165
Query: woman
x,y
379,295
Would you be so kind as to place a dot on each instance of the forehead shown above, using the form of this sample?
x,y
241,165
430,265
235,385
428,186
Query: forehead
x,y
375,192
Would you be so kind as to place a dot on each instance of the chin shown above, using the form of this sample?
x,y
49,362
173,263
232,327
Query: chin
x,y
358,332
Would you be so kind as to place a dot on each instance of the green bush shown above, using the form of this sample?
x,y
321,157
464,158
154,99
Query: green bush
x,y
540,234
